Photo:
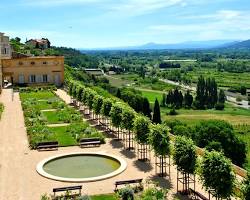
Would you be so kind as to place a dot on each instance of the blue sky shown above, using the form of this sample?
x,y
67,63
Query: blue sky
x,y
112,23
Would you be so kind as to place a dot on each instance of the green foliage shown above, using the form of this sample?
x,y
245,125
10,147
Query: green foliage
x,y
182,130
128,116
219,106
221,131
246,187
97,104
159,139
157,113
217,174
90,98
146,110
45,197
68,115
175,98
173,112
133,98
221,97
184,154
154,193
188,99
126,193
106,107
83,130
141,129
38,133
206,93
214,146
116,114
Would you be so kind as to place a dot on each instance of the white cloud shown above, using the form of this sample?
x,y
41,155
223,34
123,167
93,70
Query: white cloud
x,y
224,24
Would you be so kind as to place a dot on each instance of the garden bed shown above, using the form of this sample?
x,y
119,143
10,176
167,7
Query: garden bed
x,y
33,102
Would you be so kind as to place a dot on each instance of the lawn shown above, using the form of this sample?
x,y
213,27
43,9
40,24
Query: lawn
x,y
151,95
104,197
62,116
37,95
231,114
62,136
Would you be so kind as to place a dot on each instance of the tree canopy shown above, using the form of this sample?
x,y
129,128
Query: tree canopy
x,y
217,175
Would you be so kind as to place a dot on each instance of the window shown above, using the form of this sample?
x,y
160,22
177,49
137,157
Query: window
x,y
20,63
32,78
45,78
45,63
32,63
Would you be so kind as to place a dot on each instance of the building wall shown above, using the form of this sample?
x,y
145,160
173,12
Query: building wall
x,y
5,53
20,70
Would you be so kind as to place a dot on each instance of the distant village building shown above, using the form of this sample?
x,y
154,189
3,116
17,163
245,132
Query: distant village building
x,y
96,72
20,69
43,43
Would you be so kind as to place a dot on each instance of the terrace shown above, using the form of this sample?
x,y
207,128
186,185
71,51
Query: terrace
x,y
22,180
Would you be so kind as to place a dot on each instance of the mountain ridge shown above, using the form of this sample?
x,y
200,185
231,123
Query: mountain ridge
x,y
209,44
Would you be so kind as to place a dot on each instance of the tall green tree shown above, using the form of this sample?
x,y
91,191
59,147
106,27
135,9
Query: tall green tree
x,y
116,116
185,157
146,110
157,113
128,116
106,107
97,105
222,96
188,99
200,92
160,141
141,129
217,175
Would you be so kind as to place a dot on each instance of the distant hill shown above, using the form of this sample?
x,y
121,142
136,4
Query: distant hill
x,y
242,44
183,45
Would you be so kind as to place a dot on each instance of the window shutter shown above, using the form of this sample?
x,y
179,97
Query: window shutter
x,y
48,78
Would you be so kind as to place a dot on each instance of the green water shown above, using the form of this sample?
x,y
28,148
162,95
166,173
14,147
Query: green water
x,y
81,166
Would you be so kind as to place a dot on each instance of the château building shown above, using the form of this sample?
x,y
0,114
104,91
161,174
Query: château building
x,y
19,69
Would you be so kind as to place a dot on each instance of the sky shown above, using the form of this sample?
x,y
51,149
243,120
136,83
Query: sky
x,y
119,23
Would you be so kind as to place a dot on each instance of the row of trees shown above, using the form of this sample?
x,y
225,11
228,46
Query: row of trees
x,y
207,94
213,164
176,99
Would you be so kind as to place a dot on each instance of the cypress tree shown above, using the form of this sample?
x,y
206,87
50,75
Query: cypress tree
x,y
222,97
188,99
180,99
176,98
157,113
146,108
200,93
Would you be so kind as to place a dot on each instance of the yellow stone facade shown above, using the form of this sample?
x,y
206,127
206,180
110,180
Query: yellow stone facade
x,y
24,70
34,70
